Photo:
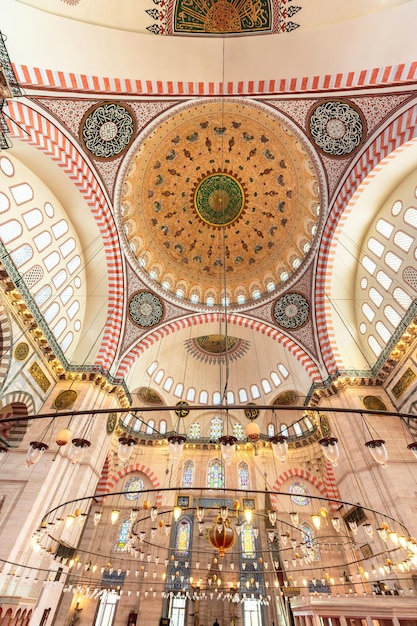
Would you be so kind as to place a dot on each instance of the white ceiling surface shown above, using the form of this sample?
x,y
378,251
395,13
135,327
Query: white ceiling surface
x,y
348,251
261,358
334,37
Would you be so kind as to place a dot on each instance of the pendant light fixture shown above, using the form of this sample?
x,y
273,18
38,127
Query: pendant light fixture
x,y
330,449
378,451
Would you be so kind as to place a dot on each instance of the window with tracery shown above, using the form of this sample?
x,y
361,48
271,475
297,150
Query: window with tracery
x,y
133,488
215,474
299,493
238,432
309,538
216,428
122,536
182,538
194,432
188,472
247,538
243,475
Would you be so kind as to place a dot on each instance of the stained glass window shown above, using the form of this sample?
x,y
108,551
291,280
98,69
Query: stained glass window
x,y
248,541
182,539
188,474
194,431
134,484
215,475
243,475
122,536
299,493
216,428
309,538
238,432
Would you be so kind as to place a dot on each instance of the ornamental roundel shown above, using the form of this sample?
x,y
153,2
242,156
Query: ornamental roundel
x,y
145,309
107,130
337,127
291,311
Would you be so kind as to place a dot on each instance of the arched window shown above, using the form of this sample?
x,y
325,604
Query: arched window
x,y
162,427
266,386
243,475
179,388
33,218
216,428
188,472
238,432
297,429
194,432
203,399
150,427
247,538
43,240
243,396
270,430
133,487
168,383
60,228
190,394
309,538
255,393
21,255
182,538
308,423
215,474
275,379
122,536
284,430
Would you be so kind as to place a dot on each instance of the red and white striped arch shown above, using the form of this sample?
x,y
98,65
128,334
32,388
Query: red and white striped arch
x,y
401,130
206,318
29,125
128,469
327,487
403,74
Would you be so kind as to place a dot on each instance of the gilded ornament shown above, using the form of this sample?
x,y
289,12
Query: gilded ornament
x,y
39,376
21,351
65,399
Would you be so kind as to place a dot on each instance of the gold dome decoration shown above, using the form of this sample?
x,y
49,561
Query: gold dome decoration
x,y
219,186
65,399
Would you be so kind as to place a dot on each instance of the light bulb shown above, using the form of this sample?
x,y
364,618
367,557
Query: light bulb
x,y
336,524
272,517
316,521
368,529
279,445
378,450
330,449
228,448
294,518
125,448
248,515
35,452
114,516
77,450
177,513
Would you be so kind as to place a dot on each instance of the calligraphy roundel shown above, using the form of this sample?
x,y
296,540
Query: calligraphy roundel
x,y
107,130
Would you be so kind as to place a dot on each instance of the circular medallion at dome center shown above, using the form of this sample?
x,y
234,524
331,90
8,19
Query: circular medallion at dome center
x,y
219,199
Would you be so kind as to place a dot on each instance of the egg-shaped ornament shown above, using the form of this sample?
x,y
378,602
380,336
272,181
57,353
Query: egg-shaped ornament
x,y
253,431
63,437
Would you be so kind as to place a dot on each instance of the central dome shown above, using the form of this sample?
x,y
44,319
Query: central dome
x,y
219,189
